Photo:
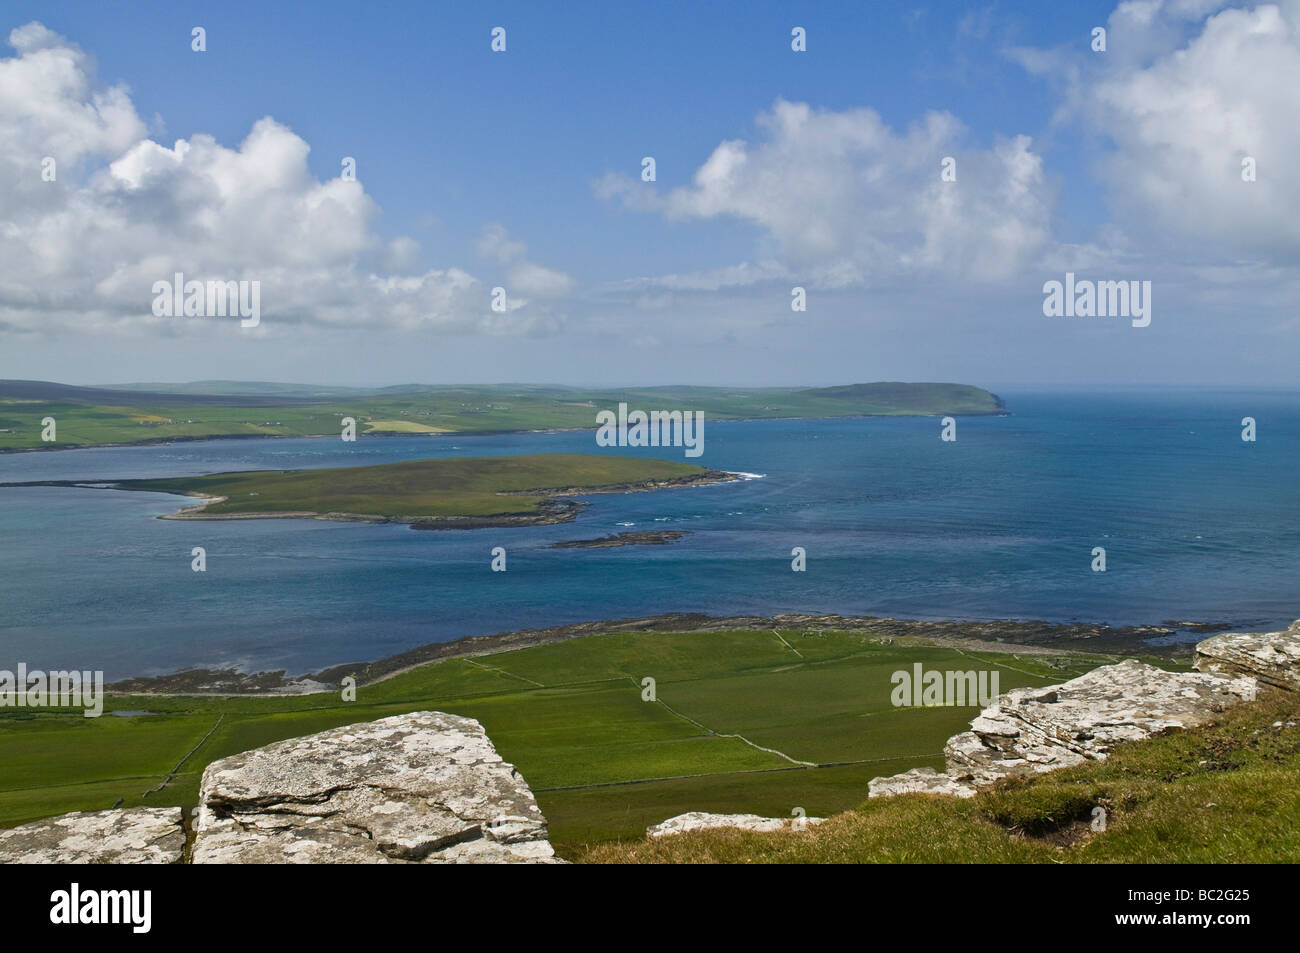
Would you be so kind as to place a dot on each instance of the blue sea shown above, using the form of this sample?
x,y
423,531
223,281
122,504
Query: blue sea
x,y
1197,525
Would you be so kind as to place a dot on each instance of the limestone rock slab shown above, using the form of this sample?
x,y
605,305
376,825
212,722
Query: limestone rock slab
x,y
920,781
1273,658
702,821
1033,730
425,787
142,835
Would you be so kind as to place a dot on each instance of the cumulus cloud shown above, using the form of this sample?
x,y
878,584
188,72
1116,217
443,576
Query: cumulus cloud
x,y
523,277
844,198
1186,91
125,211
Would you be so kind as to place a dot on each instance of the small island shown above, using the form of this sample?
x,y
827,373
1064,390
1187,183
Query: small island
x,y
659,537
456,493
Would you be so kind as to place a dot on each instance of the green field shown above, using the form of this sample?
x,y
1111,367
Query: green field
x,y
85,416
603,763
462,486
1223,793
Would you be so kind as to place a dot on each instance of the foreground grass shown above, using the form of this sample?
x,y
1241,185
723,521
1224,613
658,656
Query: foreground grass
x,y
603,763
463,486
1224,793
124,416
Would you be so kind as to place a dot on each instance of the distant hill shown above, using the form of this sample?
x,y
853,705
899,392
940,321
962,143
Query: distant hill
x,y
900,394
245,389
152,413
141,395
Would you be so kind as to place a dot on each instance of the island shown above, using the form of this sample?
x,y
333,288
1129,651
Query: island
x,y
659,537
457,493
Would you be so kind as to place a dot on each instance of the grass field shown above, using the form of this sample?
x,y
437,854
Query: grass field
x,y
100,416
1224,793
402,426
603,763
464,486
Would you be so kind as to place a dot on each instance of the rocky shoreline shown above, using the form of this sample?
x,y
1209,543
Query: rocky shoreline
x,y
1098,638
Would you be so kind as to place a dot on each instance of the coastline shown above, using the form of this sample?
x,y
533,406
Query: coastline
x,y
1007,635
163,441
555,508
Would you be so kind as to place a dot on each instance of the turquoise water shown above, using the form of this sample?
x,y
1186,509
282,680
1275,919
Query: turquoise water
x,y
1197,524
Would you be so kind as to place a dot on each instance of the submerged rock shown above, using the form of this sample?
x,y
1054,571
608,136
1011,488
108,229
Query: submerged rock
x,y
425,787
701,821
142,835
1271,657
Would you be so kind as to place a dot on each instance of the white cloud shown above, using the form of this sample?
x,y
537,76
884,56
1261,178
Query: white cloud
x,y
843,198
1182,123
126,211
1184,92
523,277
495,242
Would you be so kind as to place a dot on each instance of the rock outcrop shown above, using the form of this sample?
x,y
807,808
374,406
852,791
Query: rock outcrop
x,y
425,787
142,835
429,787
1273,658
701,821
919,781
1032,730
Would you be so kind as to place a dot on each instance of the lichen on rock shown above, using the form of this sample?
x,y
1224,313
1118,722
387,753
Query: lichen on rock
x,y
141,835
1273,658
702,820
1033,730
425,787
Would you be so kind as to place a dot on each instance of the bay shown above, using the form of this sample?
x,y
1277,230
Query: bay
x,y
1197,525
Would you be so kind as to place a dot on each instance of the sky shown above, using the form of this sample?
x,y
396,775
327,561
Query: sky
x,y
775,169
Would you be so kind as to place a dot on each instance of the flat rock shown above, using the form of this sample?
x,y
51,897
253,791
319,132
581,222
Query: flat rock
x,y
1273,658
425,787
142,835
1033,730
702,821
920,781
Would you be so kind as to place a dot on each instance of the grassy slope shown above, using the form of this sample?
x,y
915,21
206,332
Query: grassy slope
x,y
114,416
604,764
464,486
1224,793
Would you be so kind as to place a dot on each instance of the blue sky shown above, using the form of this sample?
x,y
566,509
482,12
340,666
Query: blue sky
x,y
442,128
454,143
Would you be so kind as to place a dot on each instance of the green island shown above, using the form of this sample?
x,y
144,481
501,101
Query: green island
x,y
459,492
154,413
744,721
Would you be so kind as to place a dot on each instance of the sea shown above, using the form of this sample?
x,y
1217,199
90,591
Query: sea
x,y
1004,522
